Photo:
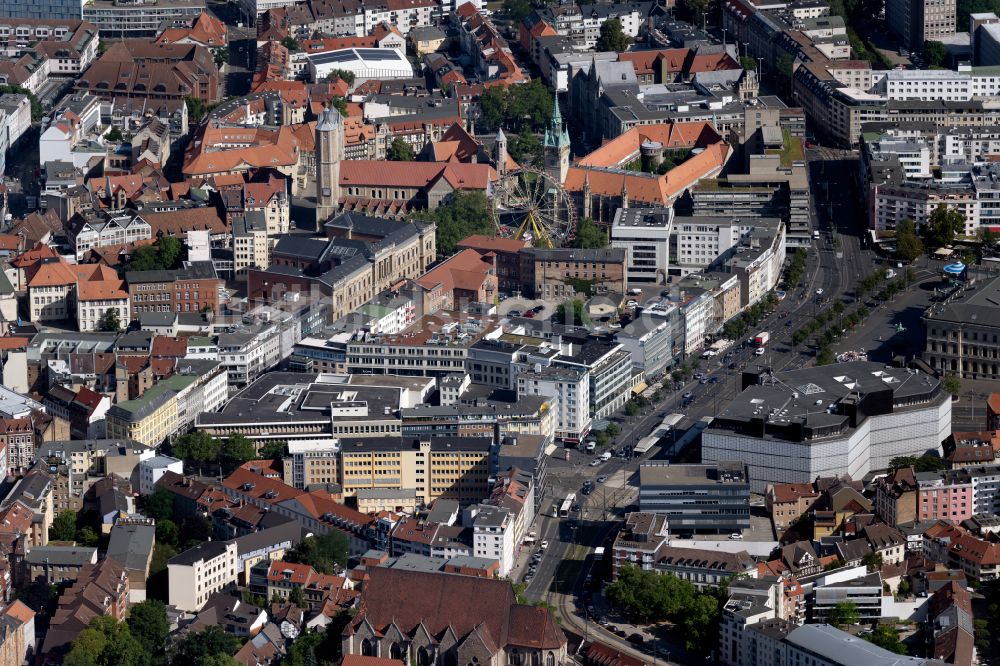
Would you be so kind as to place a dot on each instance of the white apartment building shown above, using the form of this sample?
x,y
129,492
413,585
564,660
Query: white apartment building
x,y
151,469
913,155
493,536
248,353
94,301
87,233
644,234
697,310
570,390
697,241
198,573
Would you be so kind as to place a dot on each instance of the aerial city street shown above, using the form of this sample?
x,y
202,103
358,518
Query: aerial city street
x,y
499,332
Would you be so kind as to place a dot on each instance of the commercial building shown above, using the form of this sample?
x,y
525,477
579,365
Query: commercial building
x,y
455,468
493,536
152,469
865,593
365,64
119,20
569,390
696,498
561,272
918,21
47,9
963,332
644,233
790,427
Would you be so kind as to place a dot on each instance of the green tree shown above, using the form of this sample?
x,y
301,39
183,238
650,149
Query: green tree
x,y
290,43
872,560
951,384
344,75
693,11
987,237
273,450
196,109
63,526
297,597
400,151
526,148
904,589
886,637
517,10
114,135
843,614
572,313
612,37
326,553
935,54
749,63
340,104
169,250
147,620
825,356
465,214
701,623
86,536
237,449
631,408
784,69
516,107
158,505
220,56
197,446
924,463
612,430
167,531
193,530
162,553
942,226
589,235
110,321
106,642
210,643
908,244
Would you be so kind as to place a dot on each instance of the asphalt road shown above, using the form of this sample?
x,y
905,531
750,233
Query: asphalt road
x,y
833,265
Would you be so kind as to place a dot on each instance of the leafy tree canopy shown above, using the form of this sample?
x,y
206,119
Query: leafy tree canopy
x,y
147,620
612,36
400,151
908,244
212,646
237,449
197,446
943,225
843,614
589,235
326,553
516,107
465,214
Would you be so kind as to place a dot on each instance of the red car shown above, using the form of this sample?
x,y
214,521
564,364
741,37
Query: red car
x,y
529,315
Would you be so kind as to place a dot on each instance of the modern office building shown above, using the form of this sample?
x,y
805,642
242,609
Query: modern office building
x,y
644,234
127,20
918,21
42,9
853,418
697,498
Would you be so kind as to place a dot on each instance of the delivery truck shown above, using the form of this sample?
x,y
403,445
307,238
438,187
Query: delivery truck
x,y
761,339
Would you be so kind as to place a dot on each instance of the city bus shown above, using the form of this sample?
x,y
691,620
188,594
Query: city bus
x,y
567,505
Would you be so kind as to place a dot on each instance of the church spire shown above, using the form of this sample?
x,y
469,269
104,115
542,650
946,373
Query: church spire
x,y
556,135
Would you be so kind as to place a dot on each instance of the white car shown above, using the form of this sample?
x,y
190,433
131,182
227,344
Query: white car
x,y
819,292
759,351
736,536
544,545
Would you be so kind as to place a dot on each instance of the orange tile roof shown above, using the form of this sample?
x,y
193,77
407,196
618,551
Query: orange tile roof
x,y
8,342
416,174
791,492
467,270
167,346
50,273
19,611
672,136
495,244
39,251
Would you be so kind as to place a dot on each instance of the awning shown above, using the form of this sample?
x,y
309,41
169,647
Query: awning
x,y
638,388
550,449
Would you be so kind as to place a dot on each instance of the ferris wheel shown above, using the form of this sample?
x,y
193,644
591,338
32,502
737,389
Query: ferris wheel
x,y
529,204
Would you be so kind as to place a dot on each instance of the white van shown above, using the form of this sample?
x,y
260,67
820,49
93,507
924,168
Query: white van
x,y
606,456
589,448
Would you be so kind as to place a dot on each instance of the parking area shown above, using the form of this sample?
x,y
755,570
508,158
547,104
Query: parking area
x,y
525,307
760,529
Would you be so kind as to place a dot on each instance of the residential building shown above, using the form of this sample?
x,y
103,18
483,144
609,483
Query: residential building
x,y
945,495
131,545
493,536
788,502
198,573
865,593
17,439
100,590
152,470
56,565
638,542
896,497
696,498
907,413
569,389
194,288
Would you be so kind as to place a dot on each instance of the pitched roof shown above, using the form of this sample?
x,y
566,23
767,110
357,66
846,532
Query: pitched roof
x,y
468,271
792,492
672,136
416,174
440,601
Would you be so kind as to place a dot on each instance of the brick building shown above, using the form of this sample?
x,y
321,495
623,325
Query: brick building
x,y
194,288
